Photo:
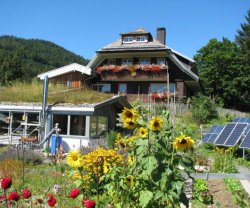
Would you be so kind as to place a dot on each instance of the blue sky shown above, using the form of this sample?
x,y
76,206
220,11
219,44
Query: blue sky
x,y
84,26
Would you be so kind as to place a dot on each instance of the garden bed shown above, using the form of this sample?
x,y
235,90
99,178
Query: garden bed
x,y
222,197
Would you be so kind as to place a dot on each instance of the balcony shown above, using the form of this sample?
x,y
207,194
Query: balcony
x,y
152,72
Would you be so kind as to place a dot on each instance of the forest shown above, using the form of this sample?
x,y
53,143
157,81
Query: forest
x,y
23,59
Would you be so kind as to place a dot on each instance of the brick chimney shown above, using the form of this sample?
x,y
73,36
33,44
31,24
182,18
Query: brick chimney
x,y
161,35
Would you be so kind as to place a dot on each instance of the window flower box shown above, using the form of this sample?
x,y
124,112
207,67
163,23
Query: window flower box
x,y
132,68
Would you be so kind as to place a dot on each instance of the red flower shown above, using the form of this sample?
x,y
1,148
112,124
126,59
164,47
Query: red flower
x,y
26,193
88,203
6,183
13,196
74,193
2,197
51,200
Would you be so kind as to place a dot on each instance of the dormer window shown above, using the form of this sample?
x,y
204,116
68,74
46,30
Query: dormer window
x,y
141,39
128,39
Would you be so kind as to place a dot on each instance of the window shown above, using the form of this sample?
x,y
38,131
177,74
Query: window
x,y
161,61
162,87
4,123
98,125
102,87
77,125
144,61
128,39
122,88
127,61
141,39
62,120
111,62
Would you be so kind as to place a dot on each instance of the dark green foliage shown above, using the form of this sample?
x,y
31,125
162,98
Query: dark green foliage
x,y
203,109
224,69
26,58
243,39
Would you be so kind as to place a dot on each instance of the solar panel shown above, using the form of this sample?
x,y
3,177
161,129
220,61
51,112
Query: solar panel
x,y
206,137
241,120
215,134
209,133
246,141
212,129
235,135
225,133
236,119
247,128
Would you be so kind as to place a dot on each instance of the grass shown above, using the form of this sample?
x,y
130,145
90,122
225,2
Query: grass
x,y
32,92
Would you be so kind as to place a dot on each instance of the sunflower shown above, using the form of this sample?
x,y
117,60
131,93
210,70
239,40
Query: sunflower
x,y
74,159
183,142
129,180
130,114
129,124
156,123
142,132
122,144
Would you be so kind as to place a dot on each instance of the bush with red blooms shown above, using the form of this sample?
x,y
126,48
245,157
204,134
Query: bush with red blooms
x,y
13,196
9,197
88,203
26,193
74,193
51,200
6,183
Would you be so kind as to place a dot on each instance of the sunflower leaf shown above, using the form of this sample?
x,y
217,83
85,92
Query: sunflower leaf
x,y
145,197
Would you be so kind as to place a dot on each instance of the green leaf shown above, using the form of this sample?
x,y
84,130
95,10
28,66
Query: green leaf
x,y
163,181
158,195
149,163
145,197
78,183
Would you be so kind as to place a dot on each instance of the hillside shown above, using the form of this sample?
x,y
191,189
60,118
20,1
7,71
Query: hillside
x,y
24,59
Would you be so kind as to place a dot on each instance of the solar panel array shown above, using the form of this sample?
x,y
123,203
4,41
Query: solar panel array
x,y
231,134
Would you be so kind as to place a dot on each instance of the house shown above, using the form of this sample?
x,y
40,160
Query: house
x,y
80,125
139,64
73,75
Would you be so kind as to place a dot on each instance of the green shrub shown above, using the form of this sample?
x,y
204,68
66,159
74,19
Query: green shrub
x,y
201,192
203,109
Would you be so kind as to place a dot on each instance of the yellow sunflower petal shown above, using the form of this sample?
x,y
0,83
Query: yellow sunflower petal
x,y
156,123
74,159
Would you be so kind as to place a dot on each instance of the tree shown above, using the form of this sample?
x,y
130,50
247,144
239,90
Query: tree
x,y
10,69
220,67
243,39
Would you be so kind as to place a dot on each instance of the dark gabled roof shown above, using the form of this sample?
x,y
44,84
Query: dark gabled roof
x,y
139,31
